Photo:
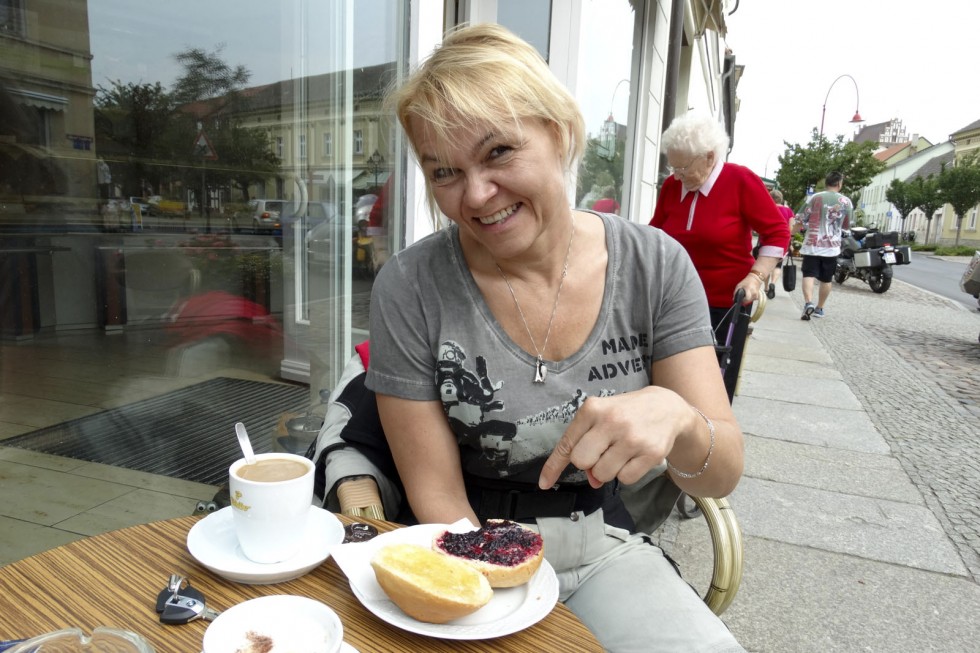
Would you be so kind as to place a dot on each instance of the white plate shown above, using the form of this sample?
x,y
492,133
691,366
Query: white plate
x,y
509,611
213,543
293,622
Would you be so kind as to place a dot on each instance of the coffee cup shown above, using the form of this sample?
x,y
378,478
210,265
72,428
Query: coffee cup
x,y
270,501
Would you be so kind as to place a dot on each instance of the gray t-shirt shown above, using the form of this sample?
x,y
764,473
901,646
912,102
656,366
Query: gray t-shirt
x,y
434,338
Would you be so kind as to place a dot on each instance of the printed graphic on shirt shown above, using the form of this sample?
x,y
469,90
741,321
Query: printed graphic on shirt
x,y
825,221
494,447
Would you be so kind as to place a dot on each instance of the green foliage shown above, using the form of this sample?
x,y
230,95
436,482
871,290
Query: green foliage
x,y
960,187
597,171
803,166
954,250
146,133
903,196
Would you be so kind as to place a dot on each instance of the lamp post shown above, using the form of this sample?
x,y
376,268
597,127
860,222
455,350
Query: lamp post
x,y
377,163
857,115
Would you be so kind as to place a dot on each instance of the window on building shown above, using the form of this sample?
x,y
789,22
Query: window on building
x,y
302,146
12,17
358,141
972,220
279,146
327,145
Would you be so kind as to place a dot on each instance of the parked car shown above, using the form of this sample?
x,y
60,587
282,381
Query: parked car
x,y
163,206
259,215
268,216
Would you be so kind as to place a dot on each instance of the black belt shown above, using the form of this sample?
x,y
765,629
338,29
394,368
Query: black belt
x,y
497,499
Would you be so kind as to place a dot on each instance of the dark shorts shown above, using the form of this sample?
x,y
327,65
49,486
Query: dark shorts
x,y
821,267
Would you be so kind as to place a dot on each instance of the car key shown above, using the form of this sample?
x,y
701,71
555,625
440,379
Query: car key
x,y
179,604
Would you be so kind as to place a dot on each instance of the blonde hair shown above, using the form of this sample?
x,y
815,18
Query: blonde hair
x,y
484,74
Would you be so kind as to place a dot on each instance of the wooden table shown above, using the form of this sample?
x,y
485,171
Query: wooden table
x,y
113,580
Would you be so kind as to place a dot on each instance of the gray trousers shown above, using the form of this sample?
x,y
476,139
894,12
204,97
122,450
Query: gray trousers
x,y
626,591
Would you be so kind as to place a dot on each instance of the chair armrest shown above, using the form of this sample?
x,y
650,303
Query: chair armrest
x,y
726,539
359,497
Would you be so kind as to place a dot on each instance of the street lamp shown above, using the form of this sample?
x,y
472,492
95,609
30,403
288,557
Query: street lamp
x,y
377,163
857,115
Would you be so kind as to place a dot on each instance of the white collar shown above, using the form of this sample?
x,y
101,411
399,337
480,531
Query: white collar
x,y
709,183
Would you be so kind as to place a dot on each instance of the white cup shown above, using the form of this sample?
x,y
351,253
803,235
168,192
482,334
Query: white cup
x,y
270,515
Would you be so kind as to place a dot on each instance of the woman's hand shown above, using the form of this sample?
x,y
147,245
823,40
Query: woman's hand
x,y
625,436
753,286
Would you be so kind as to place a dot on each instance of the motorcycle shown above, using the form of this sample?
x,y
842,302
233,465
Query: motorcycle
x,y
868,254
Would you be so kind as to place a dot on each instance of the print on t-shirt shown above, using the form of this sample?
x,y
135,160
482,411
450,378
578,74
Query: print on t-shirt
x,y
496,448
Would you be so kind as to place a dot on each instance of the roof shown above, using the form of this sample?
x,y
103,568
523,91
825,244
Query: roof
x,y
970,127
871,133
933,166
889,152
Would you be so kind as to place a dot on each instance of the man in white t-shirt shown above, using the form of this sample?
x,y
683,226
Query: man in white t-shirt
x,y
824,217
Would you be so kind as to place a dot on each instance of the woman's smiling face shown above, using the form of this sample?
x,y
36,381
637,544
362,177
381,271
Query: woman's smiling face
x,y
501,185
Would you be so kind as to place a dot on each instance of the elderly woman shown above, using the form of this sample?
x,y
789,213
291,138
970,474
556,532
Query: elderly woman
x,y
711,208
530,359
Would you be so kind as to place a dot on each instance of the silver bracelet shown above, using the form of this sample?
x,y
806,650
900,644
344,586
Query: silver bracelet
x,y
711,447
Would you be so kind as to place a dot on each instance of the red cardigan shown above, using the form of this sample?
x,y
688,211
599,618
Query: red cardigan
x,y
720,238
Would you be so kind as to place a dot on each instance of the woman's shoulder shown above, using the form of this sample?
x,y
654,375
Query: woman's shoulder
x,y
429,257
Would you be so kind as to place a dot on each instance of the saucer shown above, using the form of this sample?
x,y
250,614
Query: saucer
x,y
288,623
213,543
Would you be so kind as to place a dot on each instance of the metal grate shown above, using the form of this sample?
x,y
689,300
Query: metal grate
x,y
188,433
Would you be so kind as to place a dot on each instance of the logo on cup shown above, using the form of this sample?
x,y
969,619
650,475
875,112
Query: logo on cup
x,y
236,501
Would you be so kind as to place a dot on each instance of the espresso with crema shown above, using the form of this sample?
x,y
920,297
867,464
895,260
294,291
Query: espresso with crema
x,y
270,470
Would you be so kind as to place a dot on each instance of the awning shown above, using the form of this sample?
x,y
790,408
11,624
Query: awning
x,y
366,180
39,100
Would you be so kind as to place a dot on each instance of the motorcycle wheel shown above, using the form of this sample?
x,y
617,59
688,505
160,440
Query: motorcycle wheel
x,y
840,274
880,281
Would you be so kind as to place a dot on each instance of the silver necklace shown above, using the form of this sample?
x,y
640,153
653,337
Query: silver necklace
x,y
540,370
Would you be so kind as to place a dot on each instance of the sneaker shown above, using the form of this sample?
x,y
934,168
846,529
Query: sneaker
x,y
818,312
807,311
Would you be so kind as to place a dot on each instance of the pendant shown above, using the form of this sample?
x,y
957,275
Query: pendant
x,y
540,371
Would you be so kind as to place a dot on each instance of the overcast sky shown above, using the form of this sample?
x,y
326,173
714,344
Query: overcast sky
x,y
910,60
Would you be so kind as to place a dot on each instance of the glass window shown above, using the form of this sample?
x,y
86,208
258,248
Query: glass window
x,y
164,227
607,102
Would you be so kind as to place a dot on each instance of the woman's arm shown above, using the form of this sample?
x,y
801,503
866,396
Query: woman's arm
x,y
625,436
427,457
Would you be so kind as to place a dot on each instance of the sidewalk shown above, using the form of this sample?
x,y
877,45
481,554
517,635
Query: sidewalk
x,y
842,552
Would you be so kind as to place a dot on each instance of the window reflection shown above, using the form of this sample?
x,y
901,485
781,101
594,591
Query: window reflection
x,y
189,190
607,102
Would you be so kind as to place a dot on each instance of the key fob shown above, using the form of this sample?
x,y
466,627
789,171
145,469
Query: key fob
x,y
181,611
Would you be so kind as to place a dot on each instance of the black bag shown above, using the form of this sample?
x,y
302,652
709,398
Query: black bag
x,y
789,274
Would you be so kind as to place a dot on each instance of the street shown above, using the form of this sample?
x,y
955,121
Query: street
x,y
936,275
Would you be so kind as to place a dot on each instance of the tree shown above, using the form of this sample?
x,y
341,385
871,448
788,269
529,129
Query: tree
x,y
930,199
131,123
802,167
903,196
598,171
960,187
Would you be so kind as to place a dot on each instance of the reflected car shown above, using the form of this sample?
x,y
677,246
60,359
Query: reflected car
x,y
259,215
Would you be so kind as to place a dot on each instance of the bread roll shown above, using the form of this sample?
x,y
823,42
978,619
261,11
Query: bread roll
x,y
507,553
428,586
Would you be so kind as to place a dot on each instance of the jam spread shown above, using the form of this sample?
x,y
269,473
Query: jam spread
x,y
502,543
